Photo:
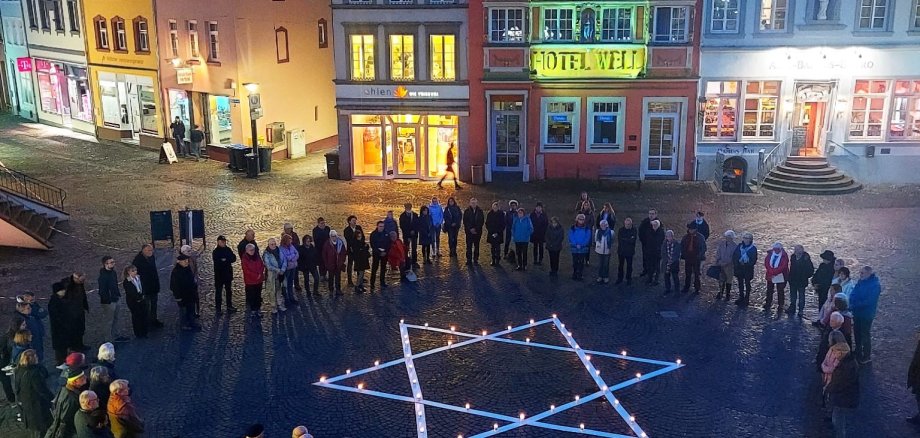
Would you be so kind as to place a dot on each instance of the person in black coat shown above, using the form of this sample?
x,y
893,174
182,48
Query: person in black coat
x,y
801,269
409,234
32,393
351,229
744,259
510,214
185,291
248,238
473,220
320,238
648,248
702,226
824,276
380,245
223,258
626,249
453,219
308,263
146,265
540,223
495,227
137,303
421,226
68,315
361,253
843,392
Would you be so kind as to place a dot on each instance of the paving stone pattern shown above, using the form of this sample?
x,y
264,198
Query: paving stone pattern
x,y
748,372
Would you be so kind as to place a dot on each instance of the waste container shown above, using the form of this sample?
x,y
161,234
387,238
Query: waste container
x,y
332,165
252,169
238,157
479,174
265,160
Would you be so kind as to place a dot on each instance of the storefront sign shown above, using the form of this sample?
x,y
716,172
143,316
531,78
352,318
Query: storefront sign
x,y
402,92
43,65
24,64
584,62
183,76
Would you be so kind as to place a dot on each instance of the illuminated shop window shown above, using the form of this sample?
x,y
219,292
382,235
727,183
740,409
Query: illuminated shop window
x,y
560,124
725,16
443,66
442,134
558,24
905,112
402,57
720,111
868,113
873,14
773,15
671,24
605,124
362,57
506,25
616,24
760,101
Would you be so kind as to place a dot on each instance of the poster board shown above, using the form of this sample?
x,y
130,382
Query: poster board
x,y
168,154
161,226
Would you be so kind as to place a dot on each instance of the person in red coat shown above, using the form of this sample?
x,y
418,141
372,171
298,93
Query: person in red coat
x,y
334,252
253,277
397,254
777,266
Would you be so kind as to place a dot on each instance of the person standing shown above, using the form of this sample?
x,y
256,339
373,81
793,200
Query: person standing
x,y
75,306
473,221
350,231
540,223
824,276
380,245
702,226
275,265
389,223
253,277
587,210
193,264
800,270
603,246
843,392
495,228
521,230
223,258
864,305
555,235
17,324
607,214
437,223
362,255
137,304
776,264
146,265
449,162
396,256
579,205
308,263
626,249
290,254
33,324
185,290
177,129
725,251
913,382
579,239
670,262
693,251
295,240
90,421
196,136
510,214
453,220
422,227
409,235
655,238
248,238
646,238
320,237
122,412
32,393
334,261
744,258
66,405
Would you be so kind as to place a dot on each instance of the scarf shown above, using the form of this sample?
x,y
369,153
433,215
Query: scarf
x,y
275,252
137,283
670,250
775,258
744,259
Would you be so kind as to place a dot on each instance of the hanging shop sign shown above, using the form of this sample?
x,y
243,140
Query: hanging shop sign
x,y
184,76
587,61
24,64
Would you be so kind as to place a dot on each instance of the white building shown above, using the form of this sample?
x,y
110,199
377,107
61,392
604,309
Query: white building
x,y
835,78
17,65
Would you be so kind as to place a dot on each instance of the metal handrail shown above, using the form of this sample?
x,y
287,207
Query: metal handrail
x,y
771,159
31,188
835,145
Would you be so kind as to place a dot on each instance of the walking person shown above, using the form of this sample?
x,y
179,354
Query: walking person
x,y
626,249
223,258
579,239
864,305
800,270
380,245
308,260
744,258
824,276
109,297
334,261
320,237
646,233
196,136
654,240
510,214
555,235
253,277
66,405
362,256
137,303
351,230
177,130
725,251
473,221
540,223
776,264
913,381
449,169
32,393
521,230
843,392
453,220
146,265
603,246
495,229
693,251
587,210
437,223
290,255
275,266
409,236
185,290
423,230
670,262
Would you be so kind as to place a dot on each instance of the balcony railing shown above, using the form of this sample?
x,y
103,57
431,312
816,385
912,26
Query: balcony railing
x,y
30,188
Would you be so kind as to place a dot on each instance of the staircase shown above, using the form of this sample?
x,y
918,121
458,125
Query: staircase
x,y
29,210
809,176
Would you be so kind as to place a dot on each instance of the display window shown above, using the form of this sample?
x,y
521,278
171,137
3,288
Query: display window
x,y
114,114
221,125
402,145
560,124
179,106
149,118
442,135
78,89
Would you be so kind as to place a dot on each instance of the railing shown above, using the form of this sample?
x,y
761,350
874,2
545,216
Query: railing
x,y
719,169
31,188
832,145
769,161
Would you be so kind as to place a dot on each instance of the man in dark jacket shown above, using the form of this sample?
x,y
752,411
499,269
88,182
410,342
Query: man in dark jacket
x,y
702,226
248,238
864,305
196,137
626,249
66,405
410,236
380,245
693,251
473,221
320,238
350,231
509,222
843,392
146,266
824,276
76,306
648,247
224,258
800,270
540,223
177,129
110,297
185,291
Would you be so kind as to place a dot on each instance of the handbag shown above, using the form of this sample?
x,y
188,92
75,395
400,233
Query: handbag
x,y
714,272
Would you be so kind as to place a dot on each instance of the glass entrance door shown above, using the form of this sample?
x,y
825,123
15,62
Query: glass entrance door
x,y
506,140
406,156
662,143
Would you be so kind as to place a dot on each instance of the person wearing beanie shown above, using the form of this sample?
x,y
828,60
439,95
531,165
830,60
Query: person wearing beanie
x,y
66,405
824,276
223,258
185,291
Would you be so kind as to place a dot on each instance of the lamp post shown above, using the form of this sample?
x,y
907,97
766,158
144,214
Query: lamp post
x,y
255,112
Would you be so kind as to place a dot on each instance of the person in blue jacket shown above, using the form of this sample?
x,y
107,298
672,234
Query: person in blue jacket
x,y
521,230
864,305
437,220
579,239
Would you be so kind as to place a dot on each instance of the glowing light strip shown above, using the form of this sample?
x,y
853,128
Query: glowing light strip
x,y
420,422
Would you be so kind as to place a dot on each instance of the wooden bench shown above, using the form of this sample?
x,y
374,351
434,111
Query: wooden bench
x,y
620,173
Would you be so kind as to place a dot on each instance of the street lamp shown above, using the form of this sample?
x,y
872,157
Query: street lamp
x,y
255,112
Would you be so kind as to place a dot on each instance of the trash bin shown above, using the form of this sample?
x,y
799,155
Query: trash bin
x,y
265,160
479,175
332,165
252,169
238,157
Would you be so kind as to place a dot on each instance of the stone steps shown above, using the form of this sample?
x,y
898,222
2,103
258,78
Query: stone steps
x,y
809,176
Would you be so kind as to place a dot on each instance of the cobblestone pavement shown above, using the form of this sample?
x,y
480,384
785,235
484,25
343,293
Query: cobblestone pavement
x,y
748,372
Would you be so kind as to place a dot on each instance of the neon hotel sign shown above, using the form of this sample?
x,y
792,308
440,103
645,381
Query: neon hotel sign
x,y
585,61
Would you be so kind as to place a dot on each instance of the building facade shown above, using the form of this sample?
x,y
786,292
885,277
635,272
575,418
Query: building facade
x,y
17,66
401,86
55,41
122,52
207,54
573,89
835,78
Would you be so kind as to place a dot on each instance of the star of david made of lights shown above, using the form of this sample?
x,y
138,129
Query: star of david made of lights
x,y
604,390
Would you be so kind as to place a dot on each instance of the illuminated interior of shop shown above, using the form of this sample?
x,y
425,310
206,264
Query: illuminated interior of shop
x,y
221,125
402,145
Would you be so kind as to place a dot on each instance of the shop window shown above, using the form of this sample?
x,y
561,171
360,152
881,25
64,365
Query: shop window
x,y
443,56
605,124
78,89
506,25
560,124
402,57
194,48
121,34
282,50
724,16
442,136
221,123
558,24
616,24
873,15
367,145
113,113
102,32
868,113
760,101
174,38
149,118
671,24
720,110
905,112
49,86
213,42
362,57
141,35
73,16
773,14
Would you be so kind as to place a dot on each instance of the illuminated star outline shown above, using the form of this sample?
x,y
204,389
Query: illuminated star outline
x,y
604,390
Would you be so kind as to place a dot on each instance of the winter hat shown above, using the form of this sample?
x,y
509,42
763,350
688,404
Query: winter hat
x,y
828,255
255,431
182,257
75,360
221,237
73,375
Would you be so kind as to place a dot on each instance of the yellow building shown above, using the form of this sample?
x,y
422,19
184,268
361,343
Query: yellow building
x,y
121,51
